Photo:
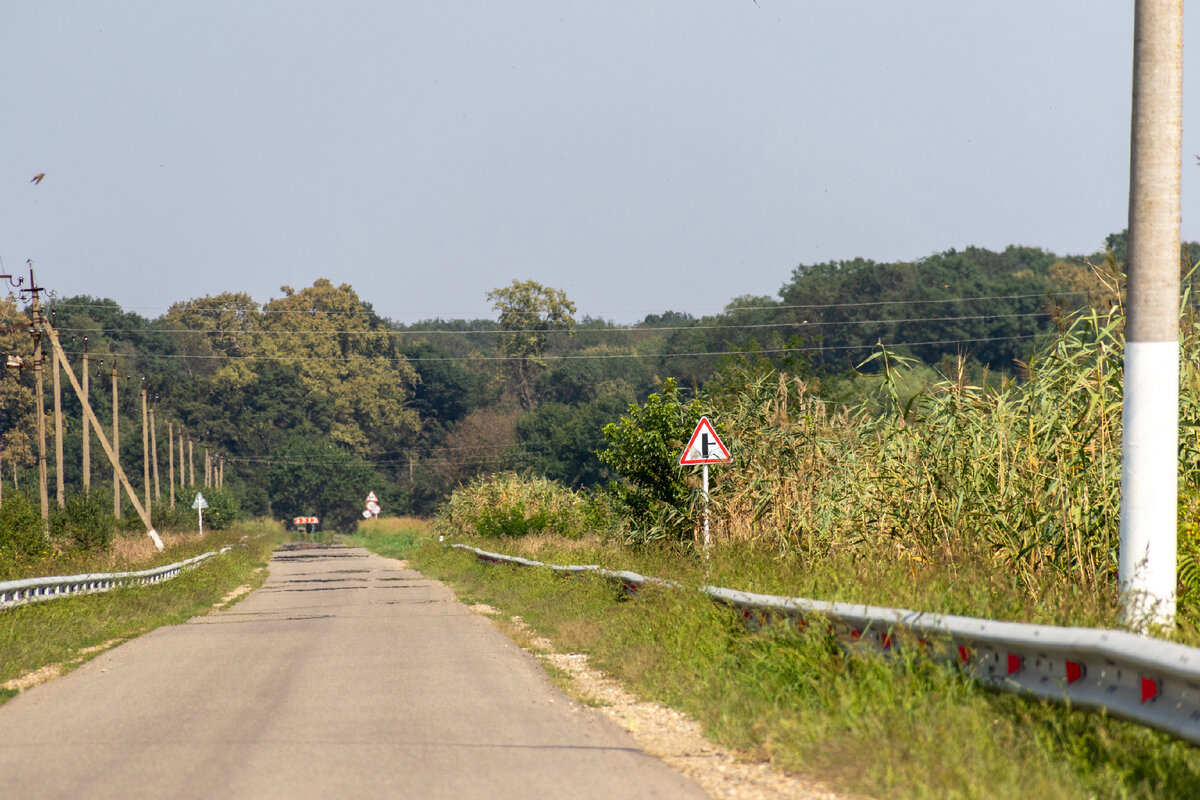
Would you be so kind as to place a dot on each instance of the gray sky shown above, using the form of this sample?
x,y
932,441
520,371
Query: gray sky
x,y
663,154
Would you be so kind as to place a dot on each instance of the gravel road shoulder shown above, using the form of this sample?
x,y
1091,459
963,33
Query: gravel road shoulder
x,y
664,732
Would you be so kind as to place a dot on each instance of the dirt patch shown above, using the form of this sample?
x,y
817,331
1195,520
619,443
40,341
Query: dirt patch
x,y
664,732
52,671
234,595
237,593
31,679
485,609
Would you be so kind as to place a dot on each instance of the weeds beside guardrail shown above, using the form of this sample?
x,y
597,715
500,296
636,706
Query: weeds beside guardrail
x,y
1149,681
32,590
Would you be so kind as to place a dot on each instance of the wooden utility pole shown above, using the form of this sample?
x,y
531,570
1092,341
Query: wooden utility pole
x,y
123,481
207,469
182,471
191,462
1149,449
154,458
171,458
116,447
38,362
87,431
146,450
59,488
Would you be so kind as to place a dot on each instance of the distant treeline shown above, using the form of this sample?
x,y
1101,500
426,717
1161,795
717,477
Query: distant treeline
x,y
315,399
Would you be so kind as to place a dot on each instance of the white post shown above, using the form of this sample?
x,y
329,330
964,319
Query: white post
x,y
1149,476
704,472
200,512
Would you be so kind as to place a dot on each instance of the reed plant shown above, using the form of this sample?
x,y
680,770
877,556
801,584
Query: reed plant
x,y
1030,468
508,505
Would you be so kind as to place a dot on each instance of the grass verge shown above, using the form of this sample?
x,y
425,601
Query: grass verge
x,y
68,631
899,727
392,537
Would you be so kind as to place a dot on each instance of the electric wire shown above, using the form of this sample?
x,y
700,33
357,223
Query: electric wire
x,y
586,331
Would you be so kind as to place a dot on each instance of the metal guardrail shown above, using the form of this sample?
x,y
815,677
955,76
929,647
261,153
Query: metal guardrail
x,y
33,590
1146,680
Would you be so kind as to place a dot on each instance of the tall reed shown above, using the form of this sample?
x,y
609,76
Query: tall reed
x,y
1029,468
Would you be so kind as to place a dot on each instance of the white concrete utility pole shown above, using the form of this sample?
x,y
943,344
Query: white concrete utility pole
x,y
1151,413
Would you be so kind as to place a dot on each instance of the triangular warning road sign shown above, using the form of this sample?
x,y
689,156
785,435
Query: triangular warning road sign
x,y
371,498
705,447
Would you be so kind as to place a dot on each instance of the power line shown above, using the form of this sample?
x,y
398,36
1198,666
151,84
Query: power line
x,y
600,356
586,331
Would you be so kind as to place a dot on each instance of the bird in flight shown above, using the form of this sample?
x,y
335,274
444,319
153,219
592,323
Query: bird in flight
x,y
36,179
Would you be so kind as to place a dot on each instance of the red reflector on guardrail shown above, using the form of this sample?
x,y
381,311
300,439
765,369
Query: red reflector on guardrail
x,y
1150,688
964,655
1015,662
1075,671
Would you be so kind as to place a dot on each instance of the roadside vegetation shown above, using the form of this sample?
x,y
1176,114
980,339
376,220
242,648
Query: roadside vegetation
x,y
952,490
61,634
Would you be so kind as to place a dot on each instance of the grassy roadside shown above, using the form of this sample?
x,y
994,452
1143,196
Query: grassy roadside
x,y
899,728
68,631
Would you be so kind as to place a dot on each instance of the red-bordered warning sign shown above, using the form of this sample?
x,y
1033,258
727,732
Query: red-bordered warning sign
x,y
705,447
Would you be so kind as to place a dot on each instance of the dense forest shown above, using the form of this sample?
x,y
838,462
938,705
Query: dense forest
x,y
312,399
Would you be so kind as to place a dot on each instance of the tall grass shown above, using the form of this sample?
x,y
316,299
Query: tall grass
x,y
1029,468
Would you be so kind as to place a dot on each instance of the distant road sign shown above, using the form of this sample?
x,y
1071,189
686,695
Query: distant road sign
x,y
705,447
200,502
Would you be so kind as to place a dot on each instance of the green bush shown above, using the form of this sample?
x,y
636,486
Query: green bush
x,y
177,519
644,447
21,533
86,521
510,505
222,511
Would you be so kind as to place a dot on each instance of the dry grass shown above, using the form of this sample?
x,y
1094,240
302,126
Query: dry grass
x,y
136,548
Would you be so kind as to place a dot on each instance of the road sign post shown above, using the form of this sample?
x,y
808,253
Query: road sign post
x,y
373,508
705,448
200,504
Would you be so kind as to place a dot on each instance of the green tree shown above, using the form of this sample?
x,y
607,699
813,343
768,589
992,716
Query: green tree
x,y
644,447
528,313
343,354
559,441
17,410
313,476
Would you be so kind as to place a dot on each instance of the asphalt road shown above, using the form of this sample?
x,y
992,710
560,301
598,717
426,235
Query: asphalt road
x,y
343,676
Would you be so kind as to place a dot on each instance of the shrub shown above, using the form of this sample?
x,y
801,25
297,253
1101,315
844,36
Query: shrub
x,y
86,521
21,532
509,505
177,519
222,511
644,447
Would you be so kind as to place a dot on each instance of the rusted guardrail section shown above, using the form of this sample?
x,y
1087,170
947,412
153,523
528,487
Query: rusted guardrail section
x,y
33,590
1147,680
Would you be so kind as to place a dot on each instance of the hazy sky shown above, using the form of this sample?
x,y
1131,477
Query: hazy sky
x,y
662,154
